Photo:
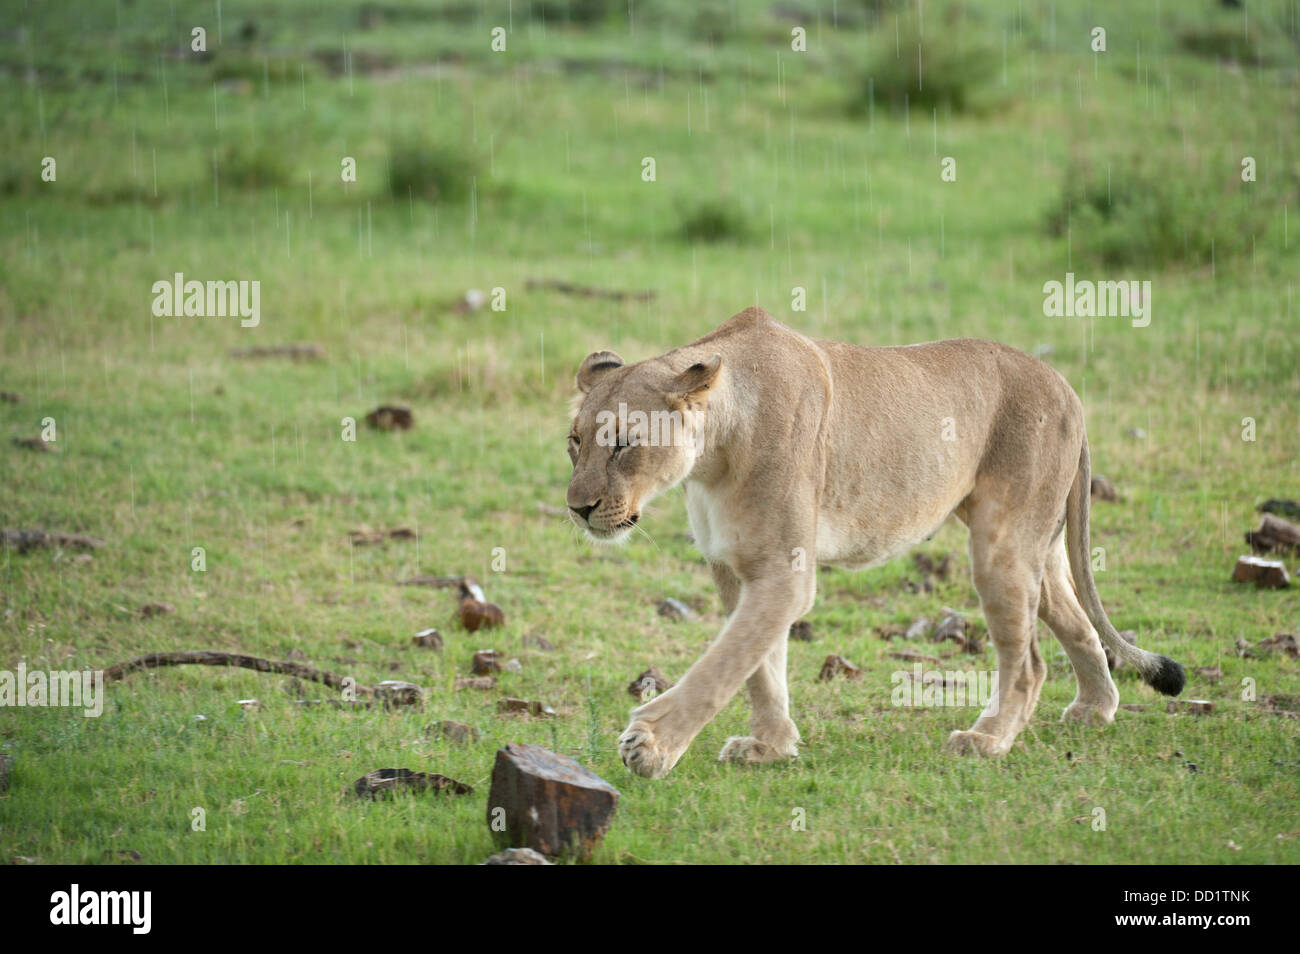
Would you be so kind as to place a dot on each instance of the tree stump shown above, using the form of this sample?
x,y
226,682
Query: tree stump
x,y
1263,573
547,802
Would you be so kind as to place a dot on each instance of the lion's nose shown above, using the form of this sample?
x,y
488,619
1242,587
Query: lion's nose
x,y
585,512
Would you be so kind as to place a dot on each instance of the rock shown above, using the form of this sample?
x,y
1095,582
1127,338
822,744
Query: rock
x,y
1265,574
24,540
486,662
150,610
801,630
648,685
296,655
305,351
9,397
428,638
838,666
35,443
1281,643
911,655
365,537
677,611
919,628
249,705
475,682
394,692
548,802
1103,489
510,704
953,626
1284,508
890,631
472,300
391,417
457,732
514,665
384,782
517,856
1209,673
1136,433
1274,534
1192,706
1114,662
1243,648
476,615
533,641
6,770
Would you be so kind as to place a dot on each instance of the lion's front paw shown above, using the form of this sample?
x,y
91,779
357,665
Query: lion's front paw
x,y
746,748
643,753
975,743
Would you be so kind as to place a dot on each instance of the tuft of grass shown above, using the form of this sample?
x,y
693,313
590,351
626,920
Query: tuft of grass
x,y
1152,210
436,171
714,220
1229,43
244,165
942,66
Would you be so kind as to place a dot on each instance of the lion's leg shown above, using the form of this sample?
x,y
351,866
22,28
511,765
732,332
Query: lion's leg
x,y
661,730
1007,567
1097,698
773,735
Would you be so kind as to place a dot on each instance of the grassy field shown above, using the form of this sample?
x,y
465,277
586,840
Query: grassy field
x,y
475,169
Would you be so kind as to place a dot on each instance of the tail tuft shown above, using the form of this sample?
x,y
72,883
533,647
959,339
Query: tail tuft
x,y
1165,676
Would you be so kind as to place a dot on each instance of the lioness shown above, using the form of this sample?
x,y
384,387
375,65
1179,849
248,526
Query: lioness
x,y
797,452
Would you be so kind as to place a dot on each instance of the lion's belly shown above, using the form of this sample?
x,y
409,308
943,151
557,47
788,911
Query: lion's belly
x,y
841,543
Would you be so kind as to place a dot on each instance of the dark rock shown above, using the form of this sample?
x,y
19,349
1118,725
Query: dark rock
x,y
648,685
801,630
548,802
838,666
383,782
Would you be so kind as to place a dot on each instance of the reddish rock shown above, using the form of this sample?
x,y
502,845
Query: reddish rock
x,y
548,802
1269,574
428,638
476,615
486,662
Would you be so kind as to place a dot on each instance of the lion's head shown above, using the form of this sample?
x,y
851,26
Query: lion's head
x,y
635,434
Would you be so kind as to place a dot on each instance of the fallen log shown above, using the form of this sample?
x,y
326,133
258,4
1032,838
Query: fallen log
x,y
213,657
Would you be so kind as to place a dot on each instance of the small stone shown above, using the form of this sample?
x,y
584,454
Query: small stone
x,y
919,628
838,666
457,732
952,626
533,641
801,630
249,705
159,608
1136,433
550,803
486,662
391,417
513,665
648,685
518,856
475,682
383,782
395,692
476,615
530,706
1281,643
296,655
1192,706
1103,489
1209,673
428,639
677,611
1270,574
472,300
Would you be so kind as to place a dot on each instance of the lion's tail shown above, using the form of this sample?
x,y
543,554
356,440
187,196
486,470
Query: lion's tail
x,y
1159,672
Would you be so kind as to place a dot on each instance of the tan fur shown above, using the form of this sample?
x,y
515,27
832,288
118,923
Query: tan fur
x,y
848,456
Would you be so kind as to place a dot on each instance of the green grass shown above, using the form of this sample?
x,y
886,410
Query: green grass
x,y
167,443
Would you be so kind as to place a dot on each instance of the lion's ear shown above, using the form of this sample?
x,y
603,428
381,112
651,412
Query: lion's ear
x,y
697,378
593,366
